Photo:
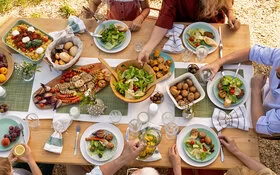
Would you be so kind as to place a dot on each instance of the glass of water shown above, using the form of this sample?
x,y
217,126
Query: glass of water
x,y
204,76
186,55
138,45
167,117
171,130
115,116
32,120
201,52
134,128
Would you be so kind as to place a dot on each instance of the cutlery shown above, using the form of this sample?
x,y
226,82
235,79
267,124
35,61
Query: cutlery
x,y
78,128
94,34
221,50
22,133
237,70
222,152
113,72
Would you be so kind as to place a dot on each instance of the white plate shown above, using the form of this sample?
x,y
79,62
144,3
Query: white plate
x,y
211,95
109,127
180,142
118,48
205,26
25,130
182,78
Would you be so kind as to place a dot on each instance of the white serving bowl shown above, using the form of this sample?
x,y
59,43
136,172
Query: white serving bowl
x,y
180,79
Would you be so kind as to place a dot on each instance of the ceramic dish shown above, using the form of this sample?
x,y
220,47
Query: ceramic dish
x,y
119,47
180,79
10,61
180,146
202,25
27,54
220,104
166,57
106,126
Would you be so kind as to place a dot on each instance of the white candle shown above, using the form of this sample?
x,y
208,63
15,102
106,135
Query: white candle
x,y
75,112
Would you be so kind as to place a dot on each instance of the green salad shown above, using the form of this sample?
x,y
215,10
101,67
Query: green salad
x,y
197,37
112,37
230,89
133,82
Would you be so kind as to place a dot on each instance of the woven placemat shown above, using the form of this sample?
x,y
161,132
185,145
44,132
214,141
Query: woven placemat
x,y
109,99
205,107
18,93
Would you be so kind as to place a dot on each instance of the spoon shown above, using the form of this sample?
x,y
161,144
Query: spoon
x,y
113,72
237,70
94,34
22,132
158,80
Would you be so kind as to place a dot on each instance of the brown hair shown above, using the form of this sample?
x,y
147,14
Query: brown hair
x,y
210,8
5,166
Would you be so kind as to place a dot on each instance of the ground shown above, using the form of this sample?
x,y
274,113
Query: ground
x,y
261,15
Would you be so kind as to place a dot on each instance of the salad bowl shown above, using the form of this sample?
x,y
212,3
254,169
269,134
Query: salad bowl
x,y
149,73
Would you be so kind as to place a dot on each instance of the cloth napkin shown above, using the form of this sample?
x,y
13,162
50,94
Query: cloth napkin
x,y
75,25
156,156
174,43
237,118
55,142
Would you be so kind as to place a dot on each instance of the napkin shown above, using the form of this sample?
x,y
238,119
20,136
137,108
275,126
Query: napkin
x,y
55,142
237,118
174,43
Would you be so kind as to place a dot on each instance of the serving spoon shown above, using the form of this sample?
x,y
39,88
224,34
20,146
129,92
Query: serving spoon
x,y
113,72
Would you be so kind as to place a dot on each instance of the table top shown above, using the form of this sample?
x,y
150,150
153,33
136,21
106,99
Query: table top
x,y
246,141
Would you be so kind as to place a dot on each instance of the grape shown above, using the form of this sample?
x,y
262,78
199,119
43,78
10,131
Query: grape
x,y
6,136
13,139
16,128
18,134
14,135
11,131
11,128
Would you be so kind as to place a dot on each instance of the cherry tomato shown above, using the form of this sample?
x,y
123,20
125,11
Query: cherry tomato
x,y
52,90
204,149
39,98
35,36
61,81
21,27
197,44
74,73
13,37
202,140
191,142
31,49
23,49
24,34
83,69
69,71
191,39
135,88
87,71
19,43
232,90
41,105
45,39
67,79
57,90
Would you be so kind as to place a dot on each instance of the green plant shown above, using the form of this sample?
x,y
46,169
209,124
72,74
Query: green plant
x,y
67,10
4,5
36,15
27,68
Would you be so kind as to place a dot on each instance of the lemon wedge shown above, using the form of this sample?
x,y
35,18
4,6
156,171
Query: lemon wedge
x,y
19,150
210,41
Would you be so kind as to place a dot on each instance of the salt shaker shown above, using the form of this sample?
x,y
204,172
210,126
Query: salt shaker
x,y
153,108
2,92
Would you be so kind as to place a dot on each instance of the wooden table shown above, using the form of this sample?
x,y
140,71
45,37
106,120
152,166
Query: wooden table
x,y
246,141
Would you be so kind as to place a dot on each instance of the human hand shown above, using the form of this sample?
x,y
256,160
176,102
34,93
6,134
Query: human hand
x,y
27,157
213,67
229,144
143,55
136,23
234,23
257,82
12,158
132,150
174,156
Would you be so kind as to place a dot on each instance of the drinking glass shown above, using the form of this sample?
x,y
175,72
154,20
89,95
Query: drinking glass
x,y
74,112
188,112
171,130
143,117
134,127
201,52
186,55
115,116
167,117
32,120
138,45
204,76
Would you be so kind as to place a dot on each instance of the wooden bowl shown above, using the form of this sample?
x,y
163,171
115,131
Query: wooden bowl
x,y
122,67
10,61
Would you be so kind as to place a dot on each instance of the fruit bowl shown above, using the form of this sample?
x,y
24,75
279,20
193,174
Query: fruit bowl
x,y
10,62
124,66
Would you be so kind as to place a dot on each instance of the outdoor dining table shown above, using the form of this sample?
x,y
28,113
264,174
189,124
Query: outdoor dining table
x,y
232,41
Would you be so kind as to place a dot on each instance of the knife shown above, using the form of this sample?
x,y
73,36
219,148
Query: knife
x,y
221,50
222,151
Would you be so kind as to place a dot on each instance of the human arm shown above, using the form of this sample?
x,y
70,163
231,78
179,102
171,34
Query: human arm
x,y
156,36
233,22
131,150
137,22
93,5
244,158
175,160
235,57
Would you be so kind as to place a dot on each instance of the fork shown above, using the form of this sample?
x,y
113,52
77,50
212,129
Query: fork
x,y
222,152
78,128
221,49
22,133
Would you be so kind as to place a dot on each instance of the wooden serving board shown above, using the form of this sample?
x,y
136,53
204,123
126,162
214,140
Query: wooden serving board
x,y
55,81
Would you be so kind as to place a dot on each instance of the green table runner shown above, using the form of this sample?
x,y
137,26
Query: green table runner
x,y
109,99
18,93
205,107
